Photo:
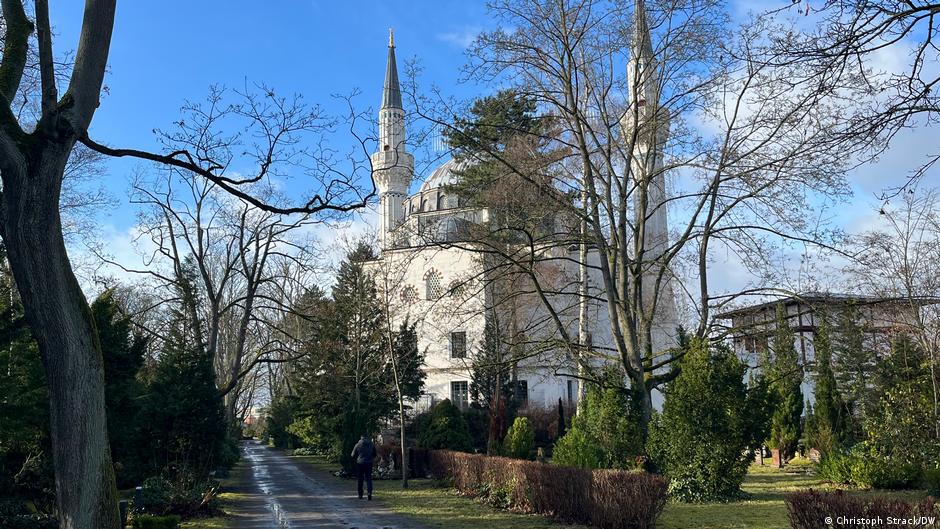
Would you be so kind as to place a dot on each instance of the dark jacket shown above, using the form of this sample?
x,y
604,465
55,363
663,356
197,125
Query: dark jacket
x,y
364,452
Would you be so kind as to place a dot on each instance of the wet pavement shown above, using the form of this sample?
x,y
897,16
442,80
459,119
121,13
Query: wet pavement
x,y
280,494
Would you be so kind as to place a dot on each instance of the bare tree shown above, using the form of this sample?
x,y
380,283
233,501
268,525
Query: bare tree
x,y
901,260
33,159
244,259
845,38
745,144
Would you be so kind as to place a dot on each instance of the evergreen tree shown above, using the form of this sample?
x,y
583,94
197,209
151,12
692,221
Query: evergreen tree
x,y
182,416
490,386
761,401
25,465
123,353
506,126
830,418
700,439
901,425
854,366
410,360
786,379
443,427
344,383
606,431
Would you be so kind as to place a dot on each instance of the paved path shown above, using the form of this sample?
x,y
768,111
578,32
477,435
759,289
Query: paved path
x,y
280,494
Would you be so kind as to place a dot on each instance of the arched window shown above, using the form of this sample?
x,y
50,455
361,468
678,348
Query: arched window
x,y
424,204
441,201
409,294
433,285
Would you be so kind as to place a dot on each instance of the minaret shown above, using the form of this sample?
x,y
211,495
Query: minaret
x,y
392,165
645,126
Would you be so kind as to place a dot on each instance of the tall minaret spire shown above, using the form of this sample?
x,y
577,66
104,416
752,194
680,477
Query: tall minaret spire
x,y
641,70
646,129
392,165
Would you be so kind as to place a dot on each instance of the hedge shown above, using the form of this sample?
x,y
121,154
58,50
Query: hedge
x,y
812,509
609,499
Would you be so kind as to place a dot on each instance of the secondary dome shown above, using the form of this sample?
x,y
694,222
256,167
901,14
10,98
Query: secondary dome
x,y
444,175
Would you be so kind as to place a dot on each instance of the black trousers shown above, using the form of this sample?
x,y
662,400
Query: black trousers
x,y
364,471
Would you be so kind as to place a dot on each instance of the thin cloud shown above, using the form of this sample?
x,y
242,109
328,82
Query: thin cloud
x,y
461,38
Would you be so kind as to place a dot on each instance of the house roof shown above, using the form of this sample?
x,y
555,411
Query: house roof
x,y
826,298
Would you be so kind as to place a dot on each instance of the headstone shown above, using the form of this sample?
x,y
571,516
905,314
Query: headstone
x,y
777,461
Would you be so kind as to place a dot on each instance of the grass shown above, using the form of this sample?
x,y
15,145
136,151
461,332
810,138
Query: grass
x,y
227,498
764,509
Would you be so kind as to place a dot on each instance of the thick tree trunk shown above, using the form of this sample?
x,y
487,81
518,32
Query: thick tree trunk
x,y
60,319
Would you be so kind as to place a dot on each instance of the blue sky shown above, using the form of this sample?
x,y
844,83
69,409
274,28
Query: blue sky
x,y
169,51
166,52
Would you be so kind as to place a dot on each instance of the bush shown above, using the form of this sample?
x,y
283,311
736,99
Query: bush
x,y
810,509
181,495
443,427
605,433
157,522
701,437
577,449
610,499
520,439
932,480
28,521
865,467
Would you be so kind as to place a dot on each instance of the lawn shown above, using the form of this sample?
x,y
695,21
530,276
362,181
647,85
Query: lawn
x,y
228,497
763,509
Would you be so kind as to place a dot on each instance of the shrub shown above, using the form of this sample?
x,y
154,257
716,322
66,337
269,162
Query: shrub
x,y
577,449
701,437
605,433
810,509
157,522
181,495
609,499
28,521
835,467
932,480
865,467
520,439
443,427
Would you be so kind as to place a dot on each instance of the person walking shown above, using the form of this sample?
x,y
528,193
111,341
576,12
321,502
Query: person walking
x,y
364,454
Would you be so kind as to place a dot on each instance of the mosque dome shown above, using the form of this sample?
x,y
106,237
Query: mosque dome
x,y
444,175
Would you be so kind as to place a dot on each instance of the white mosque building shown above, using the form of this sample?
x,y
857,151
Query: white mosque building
x,y
435,278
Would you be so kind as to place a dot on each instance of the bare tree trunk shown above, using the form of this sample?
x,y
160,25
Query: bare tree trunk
x,y
60,320
582,301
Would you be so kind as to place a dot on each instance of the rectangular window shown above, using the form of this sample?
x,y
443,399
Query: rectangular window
x,y
458,344
572,392
460,394
521,393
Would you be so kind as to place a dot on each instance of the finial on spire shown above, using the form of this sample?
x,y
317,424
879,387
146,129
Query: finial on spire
x,y
391,38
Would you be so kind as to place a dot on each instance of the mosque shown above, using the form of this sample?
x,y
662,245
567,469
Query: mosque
x,y
434,276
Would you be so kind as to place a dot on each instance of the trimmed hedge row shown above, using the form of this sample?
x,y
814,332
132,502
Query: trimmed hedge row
x,y
609,499
812,509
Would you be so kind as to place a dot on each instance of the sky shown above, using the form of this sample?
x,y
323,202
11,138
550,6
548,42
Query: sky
x,y
168,52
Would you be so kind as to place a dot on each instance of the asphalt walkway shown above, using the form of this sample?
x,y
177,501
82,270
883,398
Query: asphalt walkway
x,y
280,494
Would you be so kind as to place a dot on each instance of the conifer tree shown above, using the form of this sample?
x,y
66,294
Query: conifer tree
x,y
123,354
854,365
701,437
182,417
830,417
786,379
